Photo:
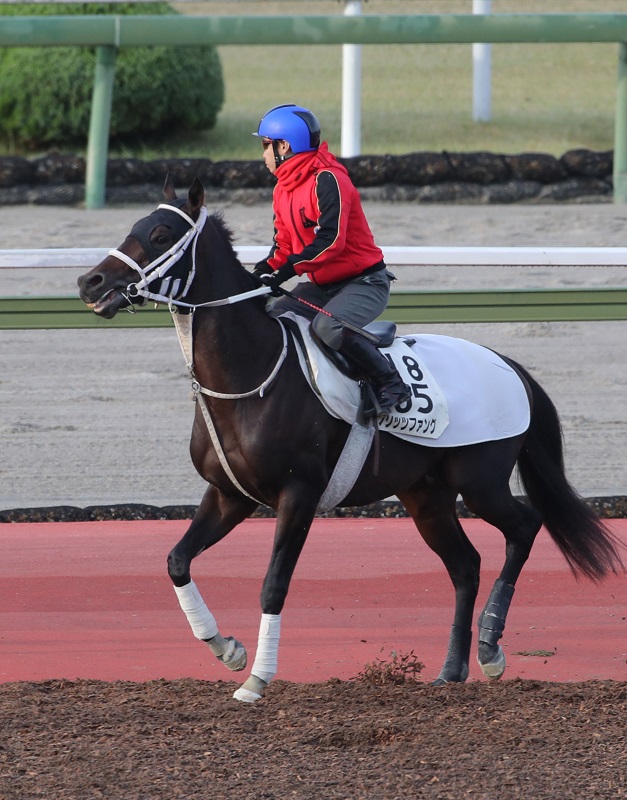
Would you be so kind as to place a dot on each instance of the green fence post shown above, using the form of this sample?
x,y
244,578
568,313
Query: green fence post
x,y
99,123
620,129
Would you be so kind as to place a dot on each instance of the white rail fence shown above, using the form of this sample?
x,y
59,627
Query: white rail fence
x,y
414,306
394,256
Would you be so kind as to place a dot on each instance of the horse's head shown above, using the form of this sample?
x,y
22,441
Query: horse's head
x,y
153,254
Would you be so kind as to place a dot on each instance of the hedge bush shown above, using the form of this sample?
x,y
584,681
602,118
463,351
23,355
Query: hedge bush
x,y
45,93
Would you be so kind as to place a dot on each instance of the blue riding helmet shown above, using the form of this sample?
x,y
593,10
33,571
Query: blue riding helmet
x,y
294,124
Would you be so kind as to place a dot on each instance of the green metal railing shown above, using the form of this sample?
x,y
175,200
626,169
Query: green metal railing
x,y
139,31
516,305
108,33
521,305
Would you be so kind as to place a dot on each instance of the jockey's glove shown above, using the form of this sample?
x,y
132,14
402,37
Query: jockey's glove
x,y
281,275
262,268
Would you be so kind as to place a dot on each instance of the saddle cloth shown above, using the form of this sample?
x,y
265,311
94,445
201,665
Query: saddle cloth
x,y
462,393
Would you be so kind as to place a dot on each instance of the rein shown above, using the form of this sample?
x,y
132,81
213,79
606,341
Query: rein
x,y
158,269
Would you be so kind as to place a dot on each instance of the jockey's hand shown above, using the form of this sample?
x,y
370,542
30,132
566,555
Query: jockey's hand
x,y
262,268
274,280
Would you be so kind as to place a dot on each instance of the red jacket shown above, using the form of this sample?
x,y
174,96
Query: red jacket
x,y
319,224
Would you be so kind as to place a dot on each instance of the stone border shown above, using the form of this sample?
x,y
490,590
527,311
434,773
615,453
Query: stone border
x,y
474,178
605,507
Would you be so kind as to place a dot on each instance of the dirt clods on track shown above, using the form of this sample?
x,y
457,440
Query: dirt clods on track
x,y
340,739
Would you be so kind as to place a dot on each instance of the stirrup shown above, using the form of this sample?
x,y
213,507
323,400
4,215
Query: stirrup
x,y
370,407
388,398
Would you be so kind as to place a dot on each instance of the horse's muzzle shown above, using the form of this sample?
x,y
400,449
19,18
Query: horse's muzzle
x,y
105,302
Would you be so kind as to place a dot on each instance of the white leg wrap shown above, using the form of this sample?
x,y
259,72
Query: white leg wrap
x,y
202,621
267,657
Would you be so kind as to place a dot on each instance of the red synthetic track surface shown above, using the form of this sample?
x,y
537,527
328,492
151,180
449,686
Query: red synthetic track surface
x,y
93,600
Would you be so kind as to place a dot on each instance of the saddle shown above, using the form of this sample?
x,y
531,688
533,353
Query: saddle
x,y
349,397
462,393
384,331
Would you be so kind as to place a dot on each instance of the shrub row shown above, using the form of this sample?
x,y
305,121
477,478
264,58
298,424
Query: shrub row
x,y
46,92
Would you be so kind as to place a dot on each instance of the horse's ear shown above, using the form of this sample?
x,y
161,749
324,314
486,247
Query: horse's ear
x,y
196,195
168,188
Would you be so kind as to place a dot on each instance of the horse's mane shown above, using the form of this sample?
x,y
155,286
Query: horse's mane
x,y
226,234
215,217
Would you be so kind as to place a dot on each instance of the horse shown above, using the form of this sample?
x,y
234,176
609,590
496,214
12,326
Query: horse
x,y
261,436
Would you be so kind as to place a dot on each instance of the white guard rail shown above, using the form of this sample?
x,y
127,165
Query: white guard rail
x,y
394,256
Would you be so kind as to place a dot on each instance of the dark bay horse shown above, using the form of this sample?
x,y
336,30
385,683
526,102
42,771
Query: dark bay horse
x,y
261,435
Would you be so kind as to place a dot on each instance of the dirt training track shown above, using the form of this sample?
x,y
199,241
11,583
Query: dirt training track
x,y
106,412
92,603
104,692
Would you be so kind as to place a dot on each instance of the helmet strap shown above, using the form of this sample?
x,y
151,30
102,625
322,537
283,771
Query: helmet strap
x,y
278,160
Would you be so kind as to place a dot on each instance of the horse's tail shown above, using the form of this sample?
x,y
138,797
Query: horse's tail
x,y
588,546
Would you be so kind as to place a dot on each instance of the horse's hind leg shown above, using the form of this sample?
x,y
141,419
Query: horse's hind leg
x,y
487,494
217,514
432,507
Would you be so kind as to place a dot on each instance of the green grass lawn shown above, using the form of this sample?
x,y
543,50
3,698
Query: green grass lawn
x,y
545,98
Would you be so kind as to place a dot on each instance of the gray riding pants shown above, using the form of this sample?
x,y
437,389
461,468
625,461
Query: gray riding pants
x,y
358,301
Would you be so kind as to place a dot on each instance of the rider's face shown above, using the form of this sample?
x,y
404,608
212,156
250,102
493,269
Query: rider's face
x,y
282,148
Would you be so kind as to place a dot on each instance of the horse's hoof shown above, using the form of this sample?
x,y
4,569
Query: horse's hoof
x,y
496,666
251,690
443,680
449,674
246,696
235,656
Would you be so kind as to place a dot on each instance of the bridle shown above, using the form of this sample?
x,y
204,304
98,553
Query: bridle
x,y
171,290
158,268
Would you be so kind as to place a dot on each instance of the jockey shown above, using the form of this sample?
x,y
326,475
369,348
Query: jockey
x,y
320,230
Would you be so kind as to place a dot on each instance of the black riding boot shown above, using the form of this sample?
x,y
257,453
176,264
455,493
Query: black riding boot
x,y
388,384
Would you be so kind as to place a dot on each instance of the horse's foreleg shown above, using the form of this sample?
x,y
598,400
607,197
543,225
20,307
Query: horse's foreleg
x,y
215,517
294,518
204,626
266,660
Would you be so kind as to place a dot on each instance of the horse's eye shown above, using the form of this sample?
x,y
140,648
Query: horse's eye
x,y
161,239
